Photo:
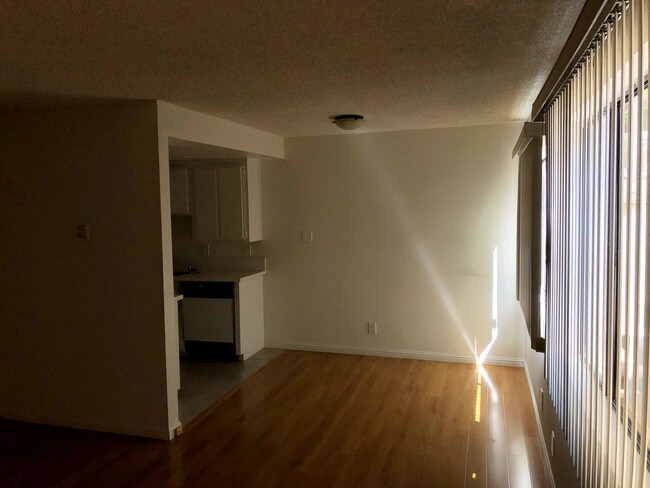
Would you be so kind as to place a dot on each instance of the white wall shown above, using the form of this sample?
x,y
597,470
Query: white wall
x,y
404,226
88,334
181,123
81,338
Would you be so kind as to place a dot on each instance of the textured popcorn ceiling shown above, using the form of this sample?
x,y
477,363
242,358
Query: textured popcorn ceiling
x,y
288,66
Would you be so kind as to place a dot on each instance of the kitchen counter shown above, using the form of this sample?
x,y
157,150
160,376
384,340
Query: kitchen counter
x,y
228,276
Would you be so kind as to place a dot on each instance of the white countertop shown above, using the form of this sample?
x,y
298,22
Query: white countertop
x,y
229,276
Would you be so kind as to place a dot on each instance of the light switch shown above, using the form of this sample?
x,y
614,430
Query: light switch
x,y
307,236
83,232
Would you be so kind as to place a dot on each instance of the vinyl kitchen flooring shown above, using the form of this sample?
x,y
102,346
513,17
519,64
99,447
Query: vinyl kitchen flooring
x,y
204,381
310,420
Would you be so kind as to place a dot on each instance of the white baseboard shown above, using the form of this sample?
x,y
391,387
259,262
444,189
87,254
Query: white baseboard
x,y
396,353
98,427
540,431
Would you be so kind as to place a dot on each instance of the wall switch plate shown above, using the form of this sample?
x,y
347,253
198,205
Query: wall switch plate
x,y
541,398
83,231
204,249
372,328
307,236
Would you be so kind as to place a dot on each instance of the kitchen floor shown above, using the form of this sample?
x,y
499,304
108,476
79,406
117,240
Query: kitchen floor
x,y
204,381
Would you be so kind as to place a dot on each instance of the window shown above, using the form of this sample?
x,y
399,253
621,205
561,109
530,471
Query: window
x,y
596,252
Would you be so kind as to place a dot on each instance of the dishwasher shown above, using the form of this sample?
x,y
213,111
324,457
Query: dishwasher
x,y
208,317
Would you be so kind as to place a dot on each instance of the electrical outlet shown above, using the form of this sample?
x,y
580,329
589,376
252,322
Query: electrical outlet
x,y
372,328
541,398
204,249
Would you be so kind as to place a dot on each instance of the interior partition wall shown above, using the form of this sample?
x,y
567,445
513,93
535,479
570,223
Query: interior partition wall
x,y
596,230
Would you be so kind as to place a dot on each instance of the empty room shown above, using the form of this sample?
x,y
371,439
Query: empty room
x,y
332,244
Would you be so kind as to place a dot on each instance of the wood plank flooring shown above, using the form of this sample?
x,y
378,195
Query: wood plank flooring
x,y
309,420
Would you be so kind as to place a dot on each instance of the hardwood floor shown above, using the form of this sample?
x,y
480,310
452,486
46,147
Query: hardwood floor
x,y
308,420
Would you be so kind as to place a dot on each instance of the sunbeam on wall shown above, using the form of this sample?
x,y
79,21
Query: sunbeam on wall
x,y
404,227
382,180
495,306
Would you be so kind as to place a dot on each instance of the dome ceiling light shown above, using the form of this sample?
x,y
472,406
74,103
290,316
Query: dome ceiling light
x,y
348,121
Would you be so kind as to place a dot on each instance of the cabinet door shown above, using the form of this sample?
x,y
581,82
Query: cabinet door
x,y
254,198
179,183
231,204
206,213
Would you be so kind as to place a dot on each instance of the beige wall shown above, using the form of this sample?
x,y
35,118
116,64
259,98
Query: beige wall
x,y
82,338
404,226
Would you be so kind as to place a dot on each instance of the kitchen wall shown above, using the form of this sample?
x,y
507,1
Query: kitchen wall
x,y
404,226
185,245
82,341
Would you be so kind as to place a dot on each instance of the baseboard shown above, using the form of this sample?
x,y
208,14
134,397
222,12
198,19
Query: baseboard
x,y
540,431
396,353
97,427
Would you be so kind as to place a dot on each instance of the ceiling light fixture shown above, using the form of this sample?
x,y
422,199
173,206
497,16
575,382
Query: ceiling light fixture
x,y
348,121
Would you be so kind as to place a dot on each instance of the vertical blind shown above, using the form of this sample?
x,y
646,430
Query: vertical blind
x,y
596,305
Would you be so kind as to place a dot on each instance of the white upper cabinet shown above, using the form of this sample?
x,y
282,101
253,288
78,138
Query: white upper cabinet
x,y
206,201
254,187
179,182
227,201
231,203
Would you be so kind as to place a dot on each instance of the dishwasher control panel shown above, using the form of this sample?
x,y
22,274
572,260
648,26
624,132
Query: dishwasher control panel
x,y
207,289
